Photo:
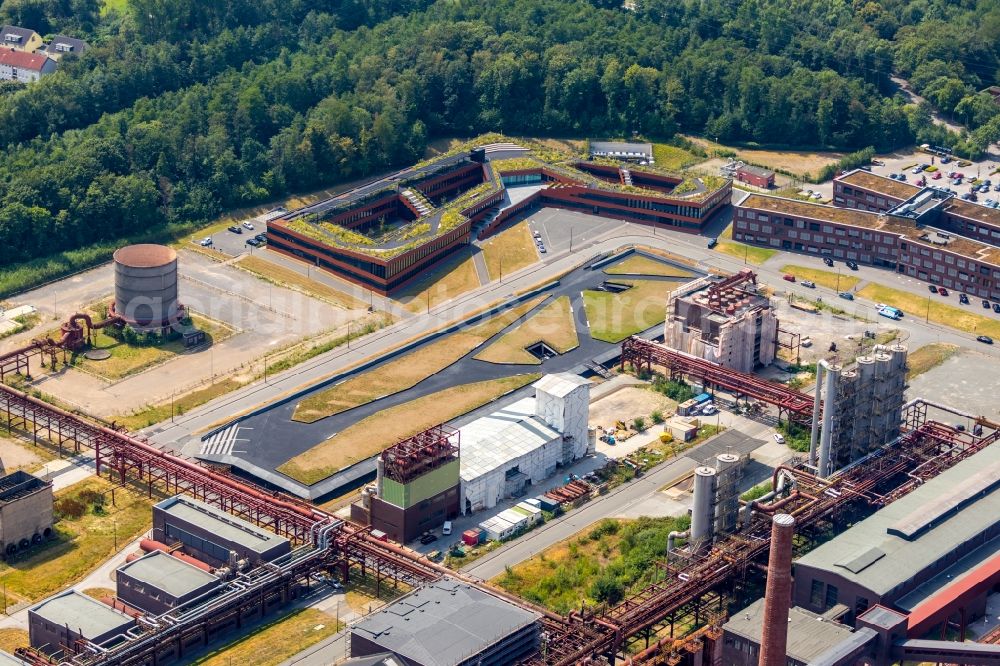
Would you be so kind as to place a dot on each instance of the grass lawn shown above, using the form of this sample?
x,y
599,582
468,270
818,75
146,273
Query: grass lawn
x,y
82,542
292,279
940,311
553,324
371,435
405,371
510,251
822,278
750,253
638,264
596,565
129,359
276,641
673,158
614,317
120,6
929,357
453,278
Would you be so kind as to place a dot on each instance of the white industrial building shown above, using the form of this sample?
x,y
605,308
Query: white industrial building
x,y
523,443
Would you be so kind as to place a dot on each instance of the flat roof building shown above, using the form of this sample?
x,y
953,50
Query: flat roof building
x,y
809,636
213,535
59,621
620,150
158,581
447,623
942,530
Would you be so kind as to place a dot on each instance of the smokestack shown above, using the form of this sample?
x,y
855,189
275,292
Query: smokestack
x,y
826,436
778,593
703,508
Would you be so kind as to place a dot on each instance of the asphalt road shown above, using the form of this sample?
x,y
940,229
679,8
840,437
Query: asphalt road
x,y
585,243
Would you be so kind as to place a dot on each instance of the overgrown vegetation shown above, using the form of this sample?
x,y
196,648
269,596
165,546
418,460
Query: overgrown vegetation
x,y
796,436
676,389
598,566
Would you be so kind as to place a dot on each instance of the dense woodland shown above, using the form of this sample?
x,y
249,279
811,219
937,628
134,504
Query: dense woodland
x,y
185,108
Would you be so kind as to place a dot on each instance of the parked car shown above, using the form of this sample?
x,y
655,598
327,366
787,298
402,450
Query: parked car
x,y
963,299
788,277
828,261
936,176
945,160
808,283
253,242
957,181
931,288
916,169
985,339
235,229
261,238
446,528
541,248
996,188
986,304
942,291
779,438
817,195
709,410
852,265
996,308
846,295
248,226
428,538
206,241
712,242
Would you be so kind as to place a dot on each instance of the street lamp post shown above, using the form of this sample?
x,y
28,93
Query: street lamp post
x,y
927,317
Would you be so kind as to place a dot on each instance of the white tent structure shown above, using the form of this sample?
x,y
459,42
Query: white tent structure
x,y
523,443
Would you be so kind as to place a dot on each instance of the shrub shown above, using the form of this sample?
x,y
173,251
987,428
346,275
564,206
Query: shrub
x,y
607,589
604,528
657,416
70,508
639,423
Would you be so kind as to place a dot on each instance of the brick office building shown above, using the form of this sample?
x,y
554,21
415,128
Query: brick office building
x,y
921,232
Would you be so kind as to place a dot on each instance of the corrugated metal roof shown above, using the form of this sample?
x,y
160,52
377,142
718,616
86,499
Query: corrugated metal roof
x,y
904,558
809,635
491,441
443,623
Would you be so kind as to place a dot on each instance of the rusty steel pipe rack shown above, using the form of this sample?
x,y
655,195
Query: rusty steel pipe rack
x,y
876,480
645,353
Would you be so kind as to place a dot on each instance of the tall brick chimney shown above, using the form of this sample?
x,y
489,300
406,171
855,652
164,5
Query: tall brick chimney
x,y
778,593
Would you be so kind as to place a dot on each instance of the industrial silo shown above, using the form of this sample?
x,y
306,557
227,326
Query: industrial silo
x,y
146,286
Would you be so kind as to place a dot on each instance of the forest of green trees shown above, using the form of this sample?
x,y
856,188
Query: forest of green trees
x,y
185,108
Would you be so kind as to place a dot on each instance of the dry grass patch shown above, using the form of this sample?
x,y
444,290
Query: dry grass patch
x,y
553,325
932,307
510,251
614,317
751,254
929,357
405,371
277,641
284,276
453,278
639,264
802,163
371,435
99,592
11,639
827,279
83,540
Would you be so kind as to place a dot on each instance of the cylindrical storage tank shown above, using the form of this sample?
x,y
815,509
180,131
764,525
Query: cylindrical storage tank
x,y
728,492
146,286
703,507
829,407
899,353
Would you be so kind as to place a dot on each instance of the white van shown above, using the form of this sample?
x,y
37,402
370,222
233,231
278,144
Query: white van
x,y
446,528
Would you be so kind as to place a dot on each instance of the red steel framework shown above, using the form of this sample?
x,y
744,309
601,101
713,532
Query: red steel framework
x,y
421,453
645,353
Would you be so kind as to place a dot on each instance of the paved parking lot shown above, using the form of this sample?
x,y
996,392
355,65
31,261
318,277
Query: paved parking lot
x,y
966,381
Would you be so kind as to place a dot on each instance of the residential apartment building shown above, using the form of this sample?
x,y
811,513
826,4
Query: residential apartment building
x,y
20,39
24,67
